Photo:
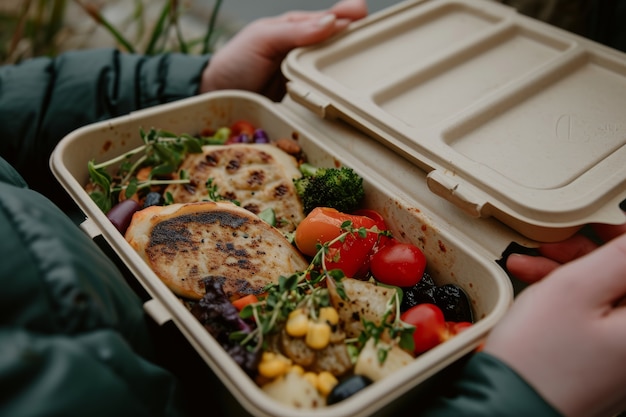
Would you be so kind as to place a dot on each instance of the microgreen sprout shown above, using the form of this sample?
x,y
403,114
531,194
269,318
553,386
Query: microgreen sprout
x,y
162,152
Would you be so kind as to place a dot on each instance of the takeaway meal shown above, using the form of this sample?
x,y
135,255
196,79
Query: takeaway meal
x,y
308,291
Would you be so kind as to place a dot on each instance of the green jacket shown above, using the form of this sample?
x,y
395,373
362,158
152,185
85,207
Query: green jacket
x,y
74,340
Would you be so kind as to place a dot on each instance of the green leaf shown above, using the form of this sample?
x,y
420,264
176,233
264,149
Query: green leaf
x,y
382,354
353,352
337,275
406,341
102,201
247,312
237,336
193,145
131,188
166,134
99,176
163,169
268,216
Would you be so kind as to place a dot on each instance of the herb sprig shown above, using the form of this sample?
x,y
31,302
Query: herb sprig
x,y
395,330
163,151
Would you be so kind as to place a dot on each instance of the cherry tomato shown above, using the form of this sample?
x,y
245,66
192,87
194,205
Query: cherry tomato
x,y
242,126
430,326
241,131
382,240
323,224
397,263
374,215
456,327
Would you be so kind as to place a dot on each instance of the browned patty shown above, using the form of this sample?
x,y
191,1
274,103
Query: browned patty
x,y
186,243
257,176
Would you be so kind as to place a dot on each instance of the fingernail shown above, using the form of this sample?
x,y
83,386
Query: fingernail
x,y
326,20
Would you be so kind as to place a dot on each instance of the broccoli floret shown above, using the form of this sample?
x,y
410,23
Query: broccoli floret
x,y
339,188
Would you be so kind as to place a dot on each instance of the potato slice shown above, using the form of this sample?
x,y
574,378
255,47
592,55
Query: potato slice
x,y
187,243
295,390
366,300
368,365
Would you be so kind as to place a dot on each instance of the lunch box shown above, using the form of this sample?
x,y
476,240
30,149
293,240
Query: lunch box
x,y
473,127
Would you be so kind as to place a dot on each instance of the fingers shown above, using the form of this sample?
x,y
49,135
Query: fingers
x,y
528,268
533,268
350,9
601,274
308,31
302,28
569,249
608,232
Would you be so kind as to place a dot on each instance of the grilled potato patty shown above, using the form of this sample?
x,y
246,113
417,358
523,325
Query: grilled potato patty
x,y
257,176
186,243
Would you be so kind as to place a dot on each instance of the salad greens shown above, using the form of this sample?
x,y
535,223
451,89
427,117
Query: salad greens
x,y
162,151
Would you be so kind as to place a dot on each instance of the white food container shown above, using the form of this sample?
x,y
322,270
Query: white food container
x,y
518,125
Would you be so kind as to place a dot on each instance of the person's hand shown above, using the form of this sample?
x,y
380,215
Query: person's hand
x,y
251,59
565,335
533,268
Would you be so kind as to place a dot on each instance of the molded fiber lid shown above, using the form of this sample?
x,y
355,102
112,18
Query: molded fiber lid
x,y
510,117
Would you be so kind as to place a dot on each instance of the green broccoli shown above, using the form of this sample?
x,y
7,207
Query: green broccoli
x,y
339,188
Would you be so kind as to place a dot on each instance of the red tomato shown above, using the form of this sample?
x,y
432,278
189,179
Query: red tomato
x,y
323,224
374,215
382,240
242,126
456,327
397,263
430,326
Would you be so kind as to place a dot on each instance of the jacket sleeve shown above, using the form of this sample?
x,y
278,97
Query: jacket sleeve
x,y
74,340
43,99
487,386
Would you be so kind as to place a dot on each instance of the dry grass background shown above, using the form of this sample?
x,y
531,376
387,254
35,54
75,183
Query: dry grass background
x,y
31,28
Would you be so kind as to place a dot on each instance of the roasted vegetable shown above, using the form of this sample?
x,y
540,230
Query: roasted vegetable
x,y
369,365
221,318
339,188
350,254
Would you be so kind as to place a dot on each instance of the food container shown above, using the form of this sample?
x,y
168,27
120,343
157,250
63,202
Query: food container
x,y
517,125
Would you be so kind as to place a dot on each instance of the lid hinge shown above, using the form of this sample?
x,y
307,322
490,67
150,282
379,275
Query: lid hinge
x,y
452,189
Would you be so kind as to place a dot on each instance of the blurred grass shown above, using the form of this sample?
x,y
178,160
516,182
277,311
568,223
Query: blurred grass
x,y
30,28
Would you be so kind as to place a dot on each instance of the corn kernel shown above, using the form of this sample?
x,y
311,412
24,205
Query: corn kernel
x,y
297,369
318,335
330,315
272,365
297,323
326,382
311,377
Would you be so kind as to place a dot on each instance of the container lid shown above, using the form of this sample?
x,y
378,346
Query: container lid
x,y
510,117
